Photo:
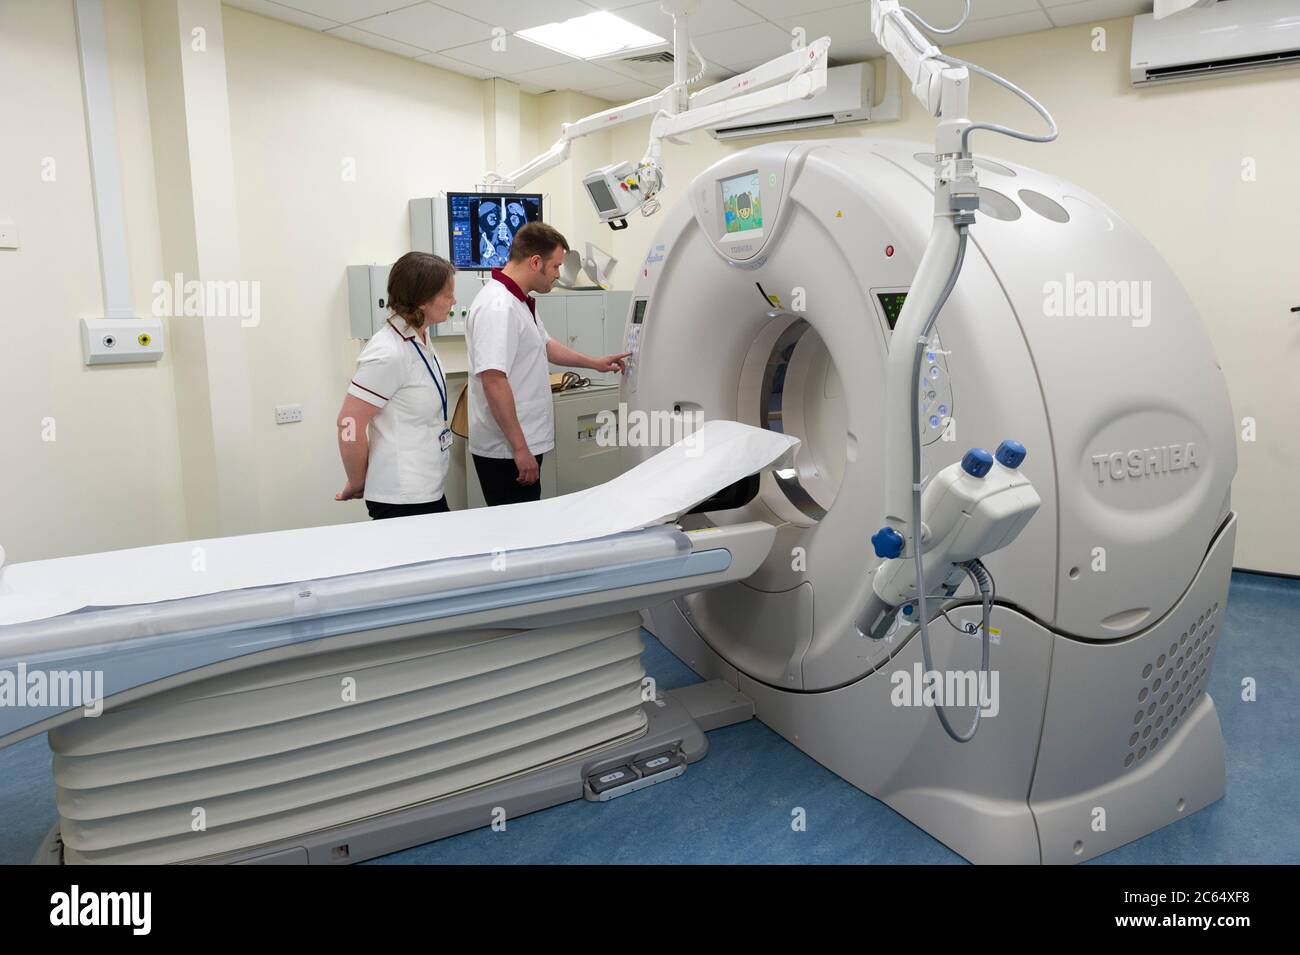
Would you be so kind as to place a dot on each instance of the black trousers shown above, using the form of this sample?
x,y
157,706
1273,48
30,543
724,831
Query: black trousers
x,y
499,478
379,510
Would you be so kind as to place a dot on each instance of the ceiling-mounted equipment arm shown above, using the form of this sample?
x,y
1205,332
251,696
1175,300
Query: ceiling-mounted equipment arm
x,y
800,74
916,56
559,151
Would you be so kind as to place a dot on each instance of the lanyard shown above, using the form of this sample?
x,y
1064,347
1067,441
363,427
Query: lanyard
x,y
442,390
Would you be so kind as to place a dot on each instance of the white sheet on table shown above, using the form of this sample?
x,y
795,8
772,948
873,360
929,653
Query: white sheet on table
x,y
666,485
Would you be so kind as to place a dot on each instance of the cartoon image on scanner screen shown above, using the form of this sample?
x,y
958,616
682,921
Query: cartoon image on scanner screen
x,y
742,203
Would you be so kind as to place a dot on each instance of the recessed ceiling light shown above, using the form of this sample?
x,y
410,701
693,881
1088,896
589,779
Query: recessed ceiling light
x,y
595,34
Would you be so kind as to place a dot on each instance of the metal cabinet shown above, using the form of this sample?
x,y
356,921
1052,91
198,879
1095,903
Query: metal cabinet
x,y
582,458
586,321
368,301
579,459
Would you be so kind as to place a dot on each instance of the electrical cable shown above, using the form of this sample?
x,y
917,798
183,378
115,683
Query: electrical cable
x,y
704,65
922,615
933,29
997,127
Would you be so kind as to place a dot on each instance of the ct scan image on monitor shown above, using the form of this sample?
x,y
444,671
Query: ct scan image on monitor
x,y
481,227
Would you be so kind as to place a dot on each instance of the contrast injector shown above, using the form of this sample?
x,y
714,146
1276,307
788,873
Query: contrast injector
x,y
971,509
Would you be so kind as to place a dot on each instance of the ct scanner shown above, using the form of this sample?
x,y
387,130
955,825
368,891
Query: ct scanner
x,y
482,692
1108,604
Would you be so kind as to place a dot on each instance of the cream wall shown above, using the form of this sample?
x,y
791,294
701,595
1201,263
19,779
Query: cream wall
x,y
305,109
111,477
1170,160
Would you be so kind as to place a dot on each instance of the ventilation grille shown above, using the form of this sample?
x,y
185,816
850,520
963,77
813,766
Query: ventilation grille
x,y
663,56
1188,71
1170,685
292,747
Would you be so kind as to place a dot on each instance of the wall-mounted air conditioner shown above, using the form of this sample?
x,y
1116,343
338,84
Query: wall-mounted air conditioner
x,y
847,99
1229,37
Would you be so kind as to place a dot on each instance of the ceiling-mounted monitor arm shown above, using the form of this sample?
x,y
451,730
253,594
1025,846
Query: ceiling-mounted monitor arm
x,y
800,74
559,151
919,59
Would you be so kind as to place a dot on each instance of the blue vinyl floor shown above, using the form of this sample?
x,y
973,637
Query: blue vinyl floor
x,y
735,805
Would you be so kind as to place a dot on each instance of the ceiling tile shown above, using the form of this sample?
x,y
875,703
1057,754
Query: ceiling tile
x,y
278,11
455,66
779,9
625,92
1072,13
516,15
714,74
987,9
345,11
714,16
427,26
848,27
658,75
613,4
1013,25
579,76
1142,6
744,47
378,42
519,55
945,13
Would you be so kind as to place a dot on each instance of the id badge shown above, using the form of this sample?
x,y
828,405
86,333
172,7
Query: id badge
x,y
444,439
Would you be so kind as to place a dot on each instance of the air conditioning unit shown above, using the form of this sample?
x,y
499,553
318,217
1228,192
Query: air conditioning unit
x,y
847,99
1230,37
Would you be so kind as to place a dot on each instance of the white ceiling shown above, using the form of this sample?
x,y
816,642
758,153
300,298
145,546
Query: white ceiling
x,y
733,35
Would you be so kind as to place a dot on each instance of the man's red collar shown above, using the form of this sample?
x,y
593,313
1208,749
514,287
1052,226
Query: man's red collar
x,y
513,288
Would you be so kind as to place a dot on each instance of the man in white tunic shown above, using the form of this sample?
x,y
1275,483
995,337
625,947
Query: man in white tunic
x,y
511,420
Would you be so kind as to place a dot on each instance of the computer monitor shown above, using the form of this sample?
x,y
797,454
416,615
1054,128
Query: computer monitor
x,y
481,226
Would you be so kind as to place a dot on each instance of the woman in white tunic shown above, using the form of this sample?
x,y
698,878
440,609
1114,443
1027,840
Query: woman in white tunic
x,y
394,432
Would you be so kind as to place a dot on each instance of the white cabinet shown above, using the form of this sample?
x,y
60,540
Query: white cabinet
x,y
368,301
586,321
468,285
582,459
586,315
552,312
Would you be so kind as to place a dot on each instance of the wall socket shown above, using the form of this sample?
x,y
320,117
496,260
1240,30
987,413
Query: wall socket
x,y
288,414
